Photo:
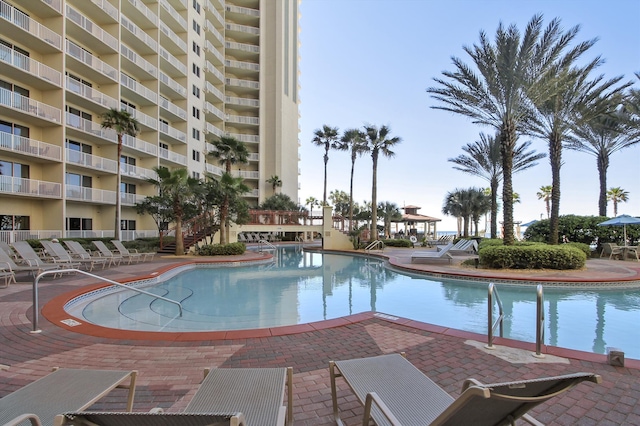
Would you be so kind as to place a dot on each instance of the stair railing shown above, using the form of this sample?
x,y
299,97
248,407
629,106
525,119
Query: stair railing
x,y
539,321
375,245
493,293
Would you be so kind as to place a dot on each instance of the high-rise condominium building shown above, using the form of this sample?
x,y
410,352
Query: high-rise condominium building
x,y
188,70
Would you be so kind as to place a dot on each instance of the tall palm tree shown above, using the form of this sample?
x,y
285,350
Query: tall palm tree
x,y
311,202
513,76
545,195
327,137
355,141
480,204
275,182
389,212
177,188
556,115
483,159
379,142
601,137
617,195
228,151
123,124
453,207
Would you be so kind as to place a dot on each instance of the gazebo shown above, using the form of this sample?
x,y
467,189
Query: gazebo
x,y
411,218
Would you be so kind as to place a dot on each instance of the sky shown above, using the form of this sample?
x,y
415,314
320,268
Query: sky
x,y
371,61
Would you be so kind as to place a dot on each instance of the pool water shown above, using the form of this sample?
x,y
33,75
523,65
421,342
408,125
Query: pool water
x,y
302,287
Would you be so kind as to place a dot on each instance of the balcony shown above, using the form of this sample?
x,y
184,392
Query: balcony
x,y
172,133
138,38
29,109
211,8
174,39
134,172
92,195
84,63
29,71
175,111
92,36
173,157
177,68
29,187
210,68
214,170
237,83
31,32
131,199
242,47
213,90
55,5
103,11
209,108
213,130
214,53
142,69
90,130
242,33
211,29
140,146
145,120
246,174
175,87
30,147
242,103
178,23
249,67
139,12
245,138
89,161
88,97
137,92
254,13
240,119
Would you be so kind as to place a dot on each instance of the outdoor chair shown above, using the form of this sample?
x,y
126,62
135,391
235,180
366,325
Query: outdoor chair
x,y
132,253
611,250
242,238
80,252
59,254
464,247
395,392
61,391
30,261
29,255
149,419
440,255
105,252
6,274
7,249
633,252
14,267
257,393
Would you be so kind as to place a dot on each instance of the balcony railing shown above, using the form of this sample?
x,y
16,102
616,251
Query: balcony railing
x,y
243,10
208,107
31,187
249,84
172,156
214,170
31,66
250,66
210,128
29,146
246,174
81,193
173,85
210,28
173,132
242,101
245,138
242,28
140,145
174,13
251,48
138,4
138,60
215,12
209,47
20,19
133,85
164,54
243,120
91,161
210,88
142,118
107,7
29,106
209,67
137,172
91,94
92,28
90,127
173,108
173,36
91,61
139,33
54,4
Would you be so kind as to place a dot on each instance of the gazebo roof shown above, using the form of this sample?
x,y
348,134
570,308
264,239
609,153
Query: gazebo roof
x,y
417,218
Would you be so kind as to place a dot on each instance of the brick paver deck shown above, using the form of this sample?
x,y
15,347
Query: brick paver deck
x,y
169,371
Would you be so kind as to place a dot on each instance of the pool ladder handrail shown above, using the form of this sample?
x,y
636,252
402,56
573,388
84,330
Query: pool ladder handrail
x,y
539,321
493,292
373,246
266,243
36,280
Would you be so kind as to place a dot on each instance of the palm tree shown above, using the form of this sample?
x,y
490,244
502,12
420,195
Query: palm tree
x,y
177,188
453,207
480,204
311,202
123,124
617,195
513,76
556,115
389,212
275,182
228,151
484,160
355,140
601,137
326,137
545,195
379,142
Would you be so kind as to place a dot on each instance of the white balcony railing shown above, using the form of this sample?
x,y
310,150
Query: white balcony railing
x,y
245,138
210,88
243,10
137,172
215,13
131,199
214,170
164,53
210,68
251,48
29,106
246,174
108,8
172,156
139,33
249,84
249,66
31,187
91,61
174,13
173,36
138,60
208,107
140,145
209,47
210,128
173,108
90,127
91,161
133,85
138,4
29,146
142,118
81,193
22,20
92,28
242,28
90,93
240,119
31,66
173,85
54,4
210,28
173,132
231,100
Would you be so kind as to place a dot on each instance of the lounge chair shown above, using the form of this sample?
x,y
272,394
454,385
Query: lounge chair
x,y
60,255
80,252
258,393
133,253
611,250
395,392
440,255
633,253
7,249
242,238
7,274
61,391
443,240
464,247
29,255
33,268
105,252
149,419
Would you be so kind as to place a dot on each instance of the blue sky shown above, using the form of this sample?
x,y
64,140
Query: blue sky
x,y
371,61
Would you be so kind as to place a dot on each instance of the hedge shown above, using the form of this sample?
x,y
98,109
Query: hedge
x,y
221,250
532,256
398,243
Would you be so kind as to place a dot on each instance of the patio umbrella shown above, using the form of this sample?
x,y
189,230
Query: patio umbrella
x,y
529,223
622,220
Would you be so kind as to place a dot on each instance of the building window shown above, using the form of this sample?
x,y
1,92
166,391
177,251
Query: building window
x,y
9,168
14,223
127,188
75,179
79,224
128,225
195,133
196,91
163,145
196,155
196,6
196,112
196,48
195,175
196,27
14,129
196,70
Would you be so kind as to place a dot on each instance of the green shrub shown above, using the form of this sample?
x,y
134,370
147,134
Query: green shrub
x,y
221,250
581,246
398,243
532,256
489,242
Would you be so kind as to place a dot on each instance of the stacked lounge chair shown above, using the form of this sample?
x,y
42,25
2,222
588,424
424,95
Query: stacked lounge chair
x,y
105,252
80,252
32,268
464,247
30,257
131,253
59,254
440,255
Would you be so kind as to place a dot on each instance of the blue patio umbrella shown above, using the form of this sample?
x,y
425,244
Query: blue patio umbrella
x,y
529,223
622,220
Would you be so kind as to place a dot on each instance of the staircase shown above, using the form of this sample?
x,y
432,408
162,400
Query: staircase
x,y
189,240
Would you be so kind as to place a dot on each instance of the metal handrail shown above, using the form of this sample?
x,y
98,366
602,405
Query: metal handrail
x,y
493,291
266,243
64,271
374,244
539,321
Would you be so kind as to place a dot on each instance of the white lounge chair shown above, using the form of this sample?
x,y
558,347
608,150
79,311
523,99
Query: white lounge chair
x,y
105,252
463,247
440,255
14,267
133,253
60,255
80,252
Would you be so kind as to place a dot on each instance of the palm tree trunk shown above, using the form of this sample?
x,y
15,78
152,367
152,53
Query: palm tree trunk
x,y
508,140
324,194
555,159
117,232
603,165
224,213
179,239
494,208
353,165
374,197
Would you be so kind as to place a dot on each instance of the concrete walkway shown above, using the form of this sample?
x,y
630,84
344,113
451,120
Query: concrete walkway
x,y
170,370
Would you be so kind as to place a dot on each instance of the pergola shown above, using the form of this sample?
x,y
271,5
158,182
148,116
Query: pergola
x,y
411,218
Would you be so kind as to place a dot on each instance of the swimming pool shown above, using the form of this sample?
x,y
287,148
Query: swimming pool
x,y
301,287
